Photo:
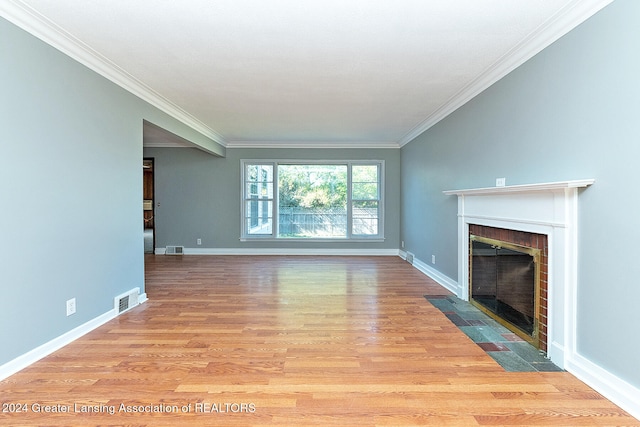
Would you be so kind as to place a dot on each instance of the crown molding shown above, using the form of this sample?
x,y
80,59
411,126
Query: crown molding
x,y
572,15
312,144
44,29
167,145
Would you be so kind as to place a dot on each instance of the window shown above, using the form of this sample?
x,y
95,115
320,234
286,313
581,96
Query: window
x,y
258,190
309,200
365,199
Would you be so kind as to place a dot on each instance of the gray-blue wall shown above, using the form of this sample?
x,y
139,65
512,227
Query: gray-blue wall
x,y
70,191
71,180
200,196
571,112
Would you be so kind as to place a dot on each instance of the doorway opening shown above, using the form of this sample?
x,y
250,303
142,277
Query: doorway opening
x,y
148,206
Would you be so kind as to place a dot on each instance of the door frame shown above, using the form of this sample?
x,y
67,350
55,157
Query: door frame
x,y
150,160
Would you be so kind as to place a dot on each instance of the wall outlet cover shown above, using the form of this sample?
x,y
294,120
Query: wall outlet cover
x,y
71,306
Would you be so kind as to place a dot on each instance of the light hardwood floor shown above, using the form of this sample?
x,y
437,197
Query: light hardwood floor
x,y
291,341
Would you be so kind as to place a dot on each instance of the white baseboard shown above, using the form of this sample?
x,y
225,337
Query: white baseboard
x,y
556,352
610,386
604,382
57,343
285,251
142,298
442,279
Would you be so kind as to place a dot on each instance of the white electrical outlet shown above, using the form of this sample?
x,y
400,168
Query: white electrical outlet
x,y
71,306
402,244
501,182
199,241
433,259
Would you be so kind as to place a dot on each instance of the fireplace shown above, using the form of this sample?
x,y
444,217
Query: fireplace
x,y
521,214
507,279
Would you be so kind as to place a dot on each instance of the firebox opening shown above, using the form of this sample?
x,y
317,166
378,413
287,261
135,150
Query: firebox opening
x,y
504,283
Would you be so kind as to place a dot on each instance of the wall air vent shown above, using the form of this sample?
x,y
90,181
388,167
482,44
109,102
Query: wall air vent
x,y
126,301
174,250
410,258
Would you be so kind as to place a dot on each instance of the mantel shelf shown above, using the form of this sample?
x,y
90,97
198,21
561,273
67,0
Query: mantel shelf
x,y
525,188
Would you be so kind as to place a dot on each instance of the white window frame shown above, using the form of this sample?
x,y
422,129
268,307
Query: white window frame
x,y
350,237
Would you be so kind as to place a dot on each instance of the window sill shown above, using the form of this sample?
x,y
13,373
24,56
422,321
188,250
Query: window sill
x,y
313,240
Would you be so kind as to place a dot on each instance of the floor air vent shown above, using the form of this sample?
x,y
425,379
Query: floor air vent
x,y
174,250
126,301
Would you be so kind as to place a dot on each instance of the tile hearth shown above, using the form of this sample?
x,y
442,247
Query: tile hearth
x,y
506,348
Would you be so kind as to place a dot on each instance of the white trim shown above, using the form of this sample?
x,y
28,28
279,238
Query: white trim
x,y
44,29
544,208
32,356
55,344
609,385
564,21
163,144
302,240
442,279
514,220
286,251
272,230
522,188
313,144
557,26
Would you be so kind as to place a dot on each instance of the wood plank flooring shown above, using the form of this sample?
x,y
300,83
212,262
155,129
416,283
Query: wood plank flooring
x,y
290,341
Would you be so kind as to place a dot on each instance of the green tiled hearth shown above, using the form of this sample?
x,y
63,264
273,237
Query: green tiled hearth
x,y
509,350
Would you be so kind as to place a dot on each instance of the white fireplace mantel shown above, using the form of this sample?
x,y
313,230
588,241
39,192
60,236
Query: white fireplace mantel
x,y
524,188
546,208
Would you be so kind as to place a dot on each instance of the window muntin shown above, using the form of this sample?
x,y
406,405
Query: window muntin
x,y
365,199
258,199
312,200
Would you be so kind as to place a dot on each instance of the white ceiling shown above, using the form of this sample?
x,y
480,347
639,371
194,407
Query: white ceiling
x,y
367,73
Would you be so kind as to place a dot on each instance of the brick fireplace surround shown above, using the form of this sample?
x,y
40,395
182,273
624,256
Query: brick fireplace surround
x,y
529,240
